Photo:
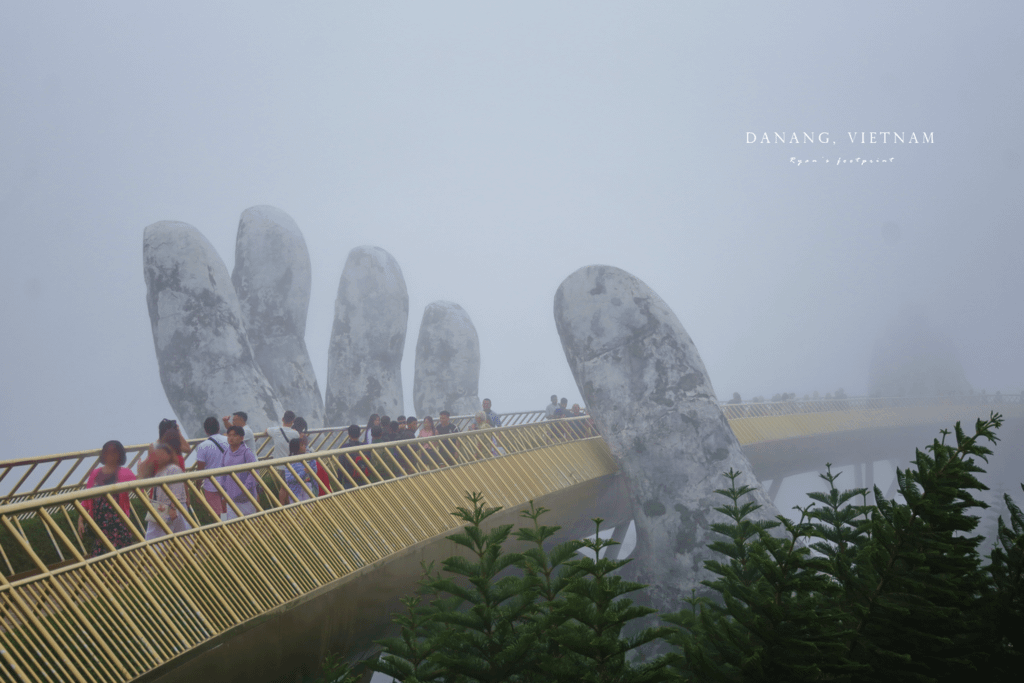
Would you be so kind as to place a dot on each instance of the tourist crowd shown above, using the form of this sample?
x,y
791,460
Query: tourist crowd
x,y
302,479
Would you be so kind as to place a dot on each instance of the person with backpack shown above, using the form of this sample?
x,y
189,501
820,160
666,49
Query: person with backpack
x,y
283,436
210,456
302,472
359,467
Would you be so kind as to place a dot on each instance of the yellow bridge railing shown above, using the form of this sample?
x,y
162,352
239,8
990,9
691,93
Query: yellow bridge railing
x,y
124,611
90,607
28,478
760,422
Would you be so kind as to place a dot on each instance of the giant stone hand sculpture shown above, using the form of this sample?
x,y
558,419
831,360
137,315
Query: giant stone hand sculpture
x,y
646,388
223,348
206,363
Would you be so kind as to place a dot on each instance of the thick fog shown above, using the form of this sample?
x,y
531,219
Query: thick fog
x,y
493,150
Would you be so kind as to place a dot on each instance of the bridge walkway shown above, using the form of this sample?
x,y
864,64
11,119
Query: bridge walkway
x,y
129,611
26,478
32,477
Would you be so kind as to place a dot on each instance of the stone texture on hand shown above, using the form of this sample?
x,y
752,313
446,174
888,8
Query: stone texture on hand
x,y
447,362
364,364
272,277
647,389
206,363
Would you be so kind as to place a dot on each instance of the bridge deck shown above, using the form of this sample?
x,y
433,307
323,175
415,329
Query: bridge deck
x,y
67,616
33,477
760,423
753,423
131,610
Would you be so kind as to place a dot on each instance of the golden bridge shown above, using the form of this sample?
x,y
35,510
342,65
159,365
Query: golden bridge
x,y
261,596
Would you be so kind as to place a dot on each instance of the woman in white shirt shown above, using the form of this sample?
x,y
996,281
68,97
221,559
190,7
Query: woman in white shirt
x,y
163,460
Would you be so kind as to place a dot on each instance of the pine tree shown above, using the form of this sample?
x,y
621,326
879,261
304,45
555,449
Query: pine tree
x,y
895,592
407,657
334,669
1005,605
558,620
491,640
590,616
913,599
773,623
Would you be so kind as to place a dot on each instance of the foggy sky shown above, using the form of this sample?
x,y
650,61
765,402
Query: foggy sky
x,y
493,150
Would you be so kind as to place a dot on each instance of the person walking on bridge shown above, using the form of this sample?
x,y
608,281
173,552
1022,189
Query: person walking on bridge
x,y
446,426
480,422
492,416
111,471
374,421
581,429
358,468
549,412
302,428
409,430
562,410
304,471
426,430
237,454
241,419
283,437
210,456
167,511
169,432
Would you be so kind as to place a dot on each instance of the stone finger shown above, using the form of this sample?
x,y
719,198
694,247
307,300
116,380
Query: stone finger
x,y
206,362
364,364
447,373
646,387
272,277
